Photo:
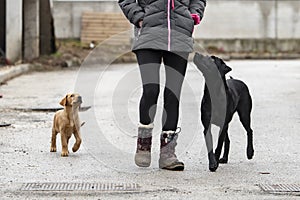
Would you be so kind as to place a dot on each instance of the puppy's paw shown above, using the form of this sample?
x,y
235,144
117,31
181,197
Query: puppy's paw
x,y
53,149
64,153
250,152
223,160
75,148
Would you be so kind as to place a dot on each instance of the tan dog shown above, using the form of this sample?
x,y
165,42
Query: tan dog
x,y
66,122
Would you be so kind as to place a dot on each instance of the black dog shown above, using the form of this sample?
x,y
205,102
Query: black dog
x,y
222,98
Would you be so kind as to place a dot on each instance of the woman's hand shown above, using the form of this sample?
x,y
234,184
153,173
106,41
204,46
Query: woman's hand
x,y
196,19
141,23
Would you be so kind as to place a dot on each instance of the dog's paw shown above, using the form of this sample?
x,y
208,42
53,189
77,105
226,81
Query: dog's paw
x,y
223,160
53,149
64,153
250,152
213,164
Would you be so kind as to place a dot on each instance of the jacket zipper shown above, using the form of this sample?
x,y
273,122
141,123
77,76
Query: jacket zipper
x,y
169,25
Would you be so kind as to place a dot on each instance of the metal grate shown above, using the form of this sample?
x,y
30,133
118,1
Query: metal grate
x,y
277,188
80,187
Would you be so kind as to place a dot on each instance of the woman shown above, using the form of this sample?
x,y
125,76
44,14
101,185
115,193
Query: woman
x,y
163,31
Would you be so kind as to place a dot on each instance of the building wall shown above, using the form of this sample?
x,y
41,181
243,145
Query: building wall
x,y
223,19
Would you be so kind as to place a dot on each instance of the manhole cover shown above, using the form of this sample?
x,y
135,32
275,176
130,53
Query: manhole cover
x,y
3,124
81,109
80,187
278,188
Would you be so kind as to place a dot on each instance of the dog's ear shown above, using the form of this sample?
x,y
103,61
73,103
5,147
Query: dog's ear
x,y
218,61
64,101
227,69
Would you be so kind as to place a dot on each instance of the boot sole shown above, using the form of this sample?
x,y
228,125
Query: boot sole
x,y
143,165
174,168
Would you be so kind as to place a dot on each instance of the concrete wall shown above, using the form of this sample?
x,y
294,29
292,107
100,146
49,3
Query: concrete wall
x,y
14,30
31,29
223,18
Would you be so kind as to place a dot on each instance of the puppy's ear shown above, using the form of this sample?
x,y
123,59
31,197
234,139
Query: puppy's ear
x,y
64,101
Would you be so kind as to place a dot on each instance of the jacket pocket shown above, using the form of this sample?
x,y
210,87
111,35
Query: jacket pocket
x,y
184,24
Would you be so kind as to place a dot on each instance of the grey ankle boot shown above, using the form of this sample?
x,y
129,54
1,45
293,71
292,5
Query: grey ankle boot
x,y
168,159
143,151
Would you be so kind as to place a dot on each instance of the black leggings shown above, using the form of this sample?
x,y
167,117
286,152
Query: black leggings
x,y
175,67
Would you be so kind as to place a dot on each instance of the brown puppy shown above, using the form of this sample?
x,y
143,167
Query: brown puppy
x,y
66,122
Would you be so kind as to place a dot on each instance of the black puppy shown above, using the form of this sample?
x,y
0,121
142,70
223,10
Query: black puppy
x,y
221,99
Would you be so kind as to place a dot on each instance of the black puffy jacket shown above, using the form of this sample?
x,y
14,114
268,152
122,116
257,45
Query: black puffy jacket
x,y
167,24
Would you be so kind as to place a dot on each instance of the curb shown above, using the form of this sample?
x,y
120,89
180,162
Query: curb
x,y
13,72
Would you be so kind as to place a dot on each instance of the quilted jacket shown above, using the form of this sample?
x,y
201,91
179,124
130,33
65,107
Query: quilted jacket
x,y
167,24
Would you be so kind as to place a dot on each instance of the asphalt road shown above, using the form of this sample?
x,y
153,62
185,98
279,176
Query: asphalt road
x,y
109,136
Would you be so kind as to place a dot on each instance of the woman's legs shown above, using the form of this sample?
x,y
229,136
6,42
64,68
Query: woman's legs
x,y
149,62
